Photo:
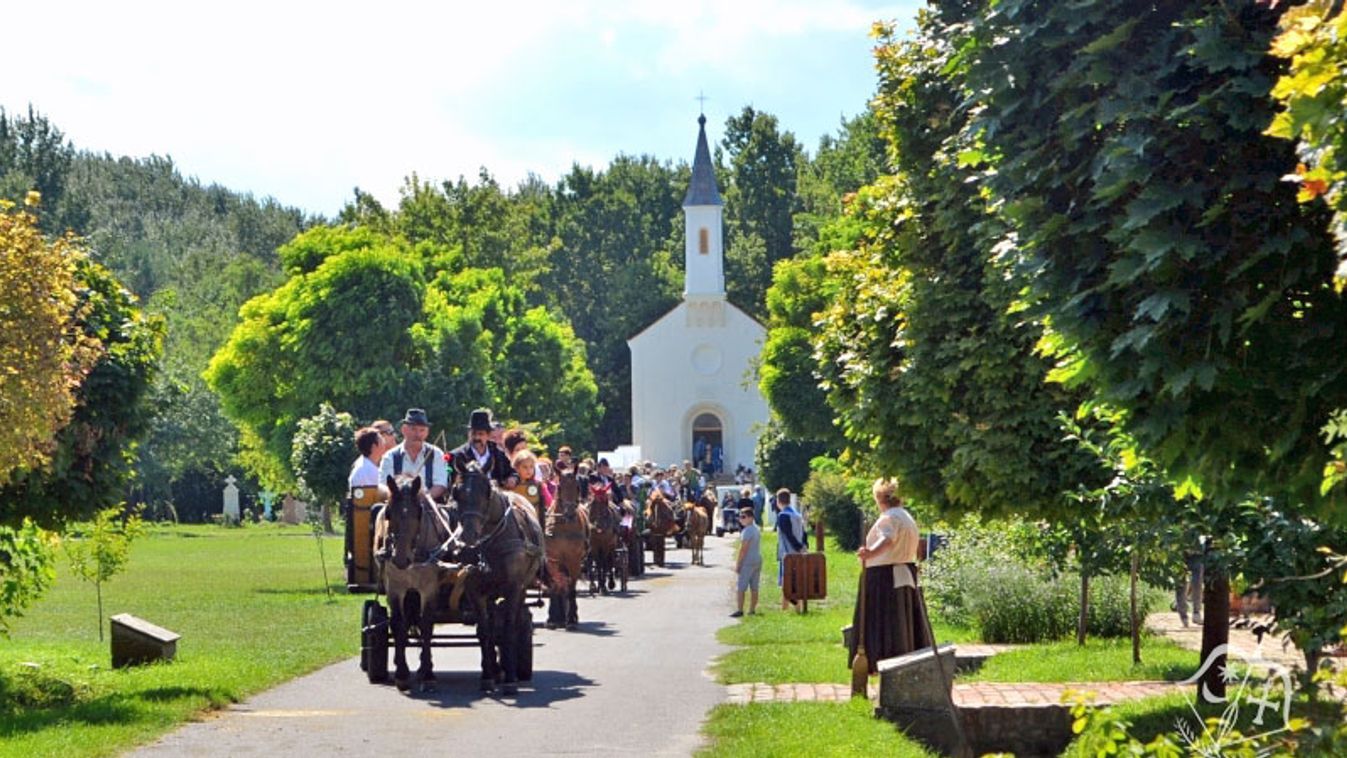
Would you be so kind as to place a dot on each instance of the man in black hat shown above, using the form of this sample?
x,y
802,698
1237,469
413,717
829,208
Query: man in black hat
x,y
416,457
479,447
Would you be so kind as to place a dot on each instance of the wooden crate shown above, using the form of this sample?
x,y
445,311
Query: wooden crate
x,y
805,577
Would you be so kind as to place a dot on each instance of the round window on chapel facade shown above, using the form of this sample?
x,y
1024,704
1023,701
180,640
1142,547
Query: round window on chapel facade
x,y
706,359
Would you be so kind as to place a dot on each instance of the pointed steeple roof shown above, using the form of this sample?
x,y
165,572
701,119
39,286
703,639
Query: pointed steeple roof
x,y
702,190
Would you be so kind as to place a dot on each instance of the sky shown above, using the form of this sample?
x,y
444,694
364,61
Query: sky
x,y
304,102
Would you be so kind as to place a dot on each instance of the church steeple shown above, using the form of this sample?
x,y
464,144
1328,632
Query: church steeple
x,y
702,208
702,190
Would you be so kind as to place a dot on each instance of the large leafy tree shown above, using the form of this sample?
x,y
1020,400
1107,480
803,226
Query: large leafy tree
x,y
1189,287
43,354
94,455
371,323
932,375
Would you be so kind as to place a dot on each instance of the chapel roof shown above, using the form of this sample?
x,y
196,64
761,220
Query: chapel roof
x,y
702,190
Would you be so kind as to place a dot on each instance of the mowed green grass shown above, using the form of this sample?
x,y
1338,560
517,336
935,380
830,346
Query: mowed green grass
x,y
249,604
1100,660
786,646
768,730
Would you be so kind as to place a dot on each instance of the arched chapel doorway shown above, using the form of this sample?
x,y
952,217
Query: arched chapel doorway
x,y
708,443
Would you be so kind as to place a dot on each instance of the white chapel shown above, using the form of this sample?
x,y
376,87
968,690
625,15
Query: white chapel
x,y
693,396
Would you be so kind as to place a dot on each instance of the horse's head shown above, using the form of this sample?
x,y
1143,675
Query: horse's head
x,y
568,492
477,509
600,493
403,519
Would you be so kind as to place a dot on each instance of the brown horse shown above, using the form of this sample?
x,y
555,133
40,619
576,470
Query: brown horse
x,y
603,522
503,541
409,537
697,526
567,545
660,523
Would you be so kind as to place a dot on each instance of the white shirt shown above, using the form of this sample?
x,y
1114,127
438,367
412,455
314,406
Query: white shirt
x,y
439,472
900,529
363,473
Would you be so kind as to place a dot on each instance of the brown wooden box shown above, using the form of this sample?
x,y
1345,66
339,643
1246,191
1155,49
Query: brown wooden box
x,y
805,577
136,641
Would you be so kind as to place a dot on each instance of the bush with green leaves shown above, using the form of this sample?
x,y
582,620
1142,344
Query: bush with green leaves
x,y
26,569
993,577
827,492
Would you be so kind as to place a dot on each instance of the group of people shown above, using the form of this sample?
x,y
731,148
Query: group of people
x,y
891,617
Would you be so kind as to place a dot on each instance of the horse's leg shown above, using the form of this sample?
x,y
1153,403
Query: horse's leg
x,y
510,610
426,674
610,567
485,622
573,605
399,621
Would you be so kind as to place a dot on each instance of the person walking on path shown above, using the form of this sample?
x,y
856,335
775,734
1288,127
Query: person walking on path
x,y
894,622
748,563
1190,587
790,535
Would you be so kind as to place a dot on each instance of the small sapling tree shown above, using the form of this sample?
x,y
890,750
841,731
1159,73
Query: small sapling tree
x,y
321,458
102,552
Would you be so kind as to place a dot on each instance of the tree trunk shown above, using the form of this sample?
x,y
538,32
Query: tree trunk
x,y
98,588
1083,622
327,520
1215,628
1136,622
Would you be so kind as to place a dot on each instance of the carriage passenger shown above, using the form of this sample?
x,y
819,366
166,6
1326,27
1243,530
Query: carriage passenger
x,y
526,467
365,469
490,457
417,457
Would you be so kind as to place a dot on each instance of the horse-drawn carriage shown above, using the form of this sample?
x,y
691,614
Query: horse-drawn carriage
x,y
474,571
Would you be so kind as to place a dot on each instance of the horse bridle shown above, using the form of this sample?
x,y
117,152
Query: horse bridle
x,y
433,556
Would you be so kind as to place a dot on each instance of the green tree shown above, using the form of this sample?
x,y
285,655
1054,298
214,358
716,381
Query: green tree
x,y
321,457
94,455
782,460
34,155
1188,286
44,356
101,551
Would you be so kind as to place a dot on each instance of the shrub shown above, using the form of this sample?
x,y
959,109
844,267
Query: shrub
x,y
1012,602
829,493
992,578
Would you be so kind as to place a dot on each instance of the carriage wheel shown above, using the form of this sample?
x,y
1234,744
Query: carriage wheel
x,y
366,611
524,654
374,643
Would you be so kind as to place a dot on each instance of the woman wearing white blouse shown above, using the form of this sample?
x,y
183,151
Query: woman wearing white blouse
x,y
894,620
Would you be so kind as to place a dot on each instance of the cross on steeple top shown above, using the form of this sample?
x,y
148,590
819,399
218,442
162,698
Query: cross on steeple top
x,y
701,99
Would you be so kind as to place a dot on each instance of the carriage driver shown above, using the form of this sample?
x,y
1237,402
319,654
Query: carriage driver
x,y
416,457
479,447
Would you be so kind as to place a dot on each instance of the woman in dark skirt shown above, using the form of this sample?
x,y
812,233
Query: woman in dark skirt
x,y
894,620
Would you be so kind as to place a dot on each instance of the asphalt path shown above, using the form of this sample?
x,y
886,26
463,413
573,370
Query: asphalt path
x,y
633,679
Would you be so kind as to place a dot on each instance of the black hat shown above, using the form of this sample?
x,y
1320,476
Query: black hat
x,y
481,420
416,417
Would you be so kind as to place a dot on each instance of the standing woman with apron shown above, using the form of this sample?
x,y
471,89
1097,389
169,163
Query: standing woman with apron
x,y
894,622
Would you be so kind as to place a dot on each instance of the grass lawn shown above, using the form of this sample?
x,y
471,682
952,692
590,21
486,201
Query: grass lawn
x,y
813,729
1100,660
249,604
784,646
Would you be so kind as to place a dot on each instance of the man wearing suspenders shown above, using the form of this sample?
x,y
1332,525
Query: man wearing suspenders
x,y
416,457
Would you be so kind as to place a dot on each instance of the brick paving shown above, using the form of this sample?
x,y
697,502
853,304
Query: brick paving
x,y
1243,643
975,695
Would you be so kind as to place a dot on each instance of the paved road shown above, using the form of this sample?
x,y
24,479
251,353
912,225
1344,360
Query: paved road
x,y
633,680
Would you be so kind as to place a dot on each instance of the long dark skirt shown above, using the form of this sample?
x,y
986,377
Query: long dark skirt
x,y
894,622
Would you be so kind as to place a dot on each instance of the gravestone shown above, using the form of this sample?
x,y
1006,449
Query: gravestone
x,y
136,641
268,499
293,511
231,501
